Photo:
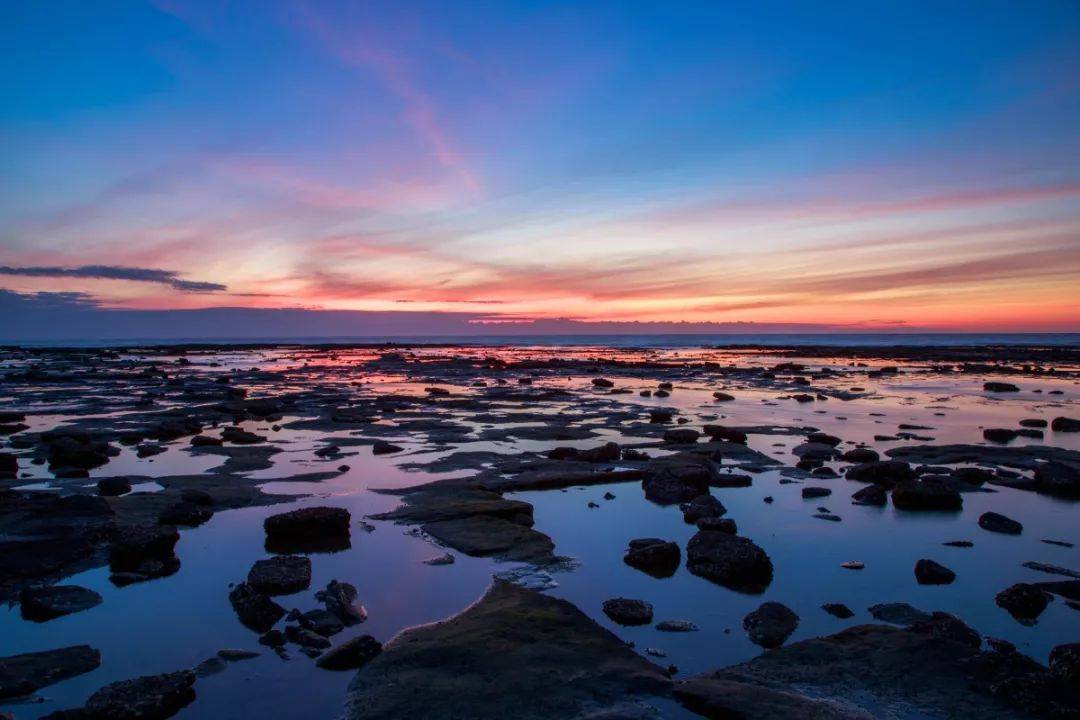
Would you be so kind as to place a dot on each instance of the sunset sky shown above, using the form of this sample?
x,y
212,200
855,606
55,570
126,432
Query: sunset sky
x,y
874,165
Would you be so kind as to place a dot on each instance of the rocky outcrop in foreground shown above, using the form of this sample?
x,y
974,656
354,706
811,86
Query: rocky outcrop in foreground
x,y
515,653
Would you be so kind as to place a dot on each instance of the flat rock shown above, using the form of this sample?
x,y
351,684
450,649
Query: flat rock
x,y
488,536
152,697
45,603
25,673
917,495
472,665
308,530
873,671
281,575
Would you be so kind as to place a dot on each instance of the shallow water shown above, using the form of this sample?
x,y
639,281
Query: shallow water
x,y
178,621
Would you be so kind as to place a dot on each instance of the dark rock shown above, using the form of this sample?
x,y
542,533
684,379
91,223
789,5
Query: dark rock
x,y
861,455
972,475
602,383
239,436
1065,663
947,627
45,603
488,536
869,495
306,638
113,486
703,506
724,525
723,396
770,625
1000,387
23,674
574,666
916,495
132,545
681,436
339,599
881,472
308,529
1064,424
676,484
995,522
654,556
206,441
382,447
838,610
280,575
272,638
1058,479
1025,602
898,613
732,561
351,654
185,514
627,611
1033,423
719,432
928,572
152,697
1000,435
255,609
811,492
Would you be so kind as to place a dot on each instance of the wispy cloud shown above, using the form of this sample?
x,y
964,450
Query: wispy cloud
x,y
116,272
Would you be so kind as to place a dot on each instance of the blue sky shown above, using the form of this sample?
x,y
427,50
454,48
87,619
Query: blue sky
x,y
880,164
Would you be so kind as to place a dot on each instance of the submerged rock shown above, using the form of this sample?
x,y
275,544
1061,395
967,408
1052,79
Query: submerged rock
x,y
575,667
995,522
45,603
351,654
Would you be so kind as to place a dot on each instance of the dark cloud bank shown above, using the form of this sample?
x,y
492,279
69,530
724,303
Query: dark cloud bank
x,y
76,317
113,272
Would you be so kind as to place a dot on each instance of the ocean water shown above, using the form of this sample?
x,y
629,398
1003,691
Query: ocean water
x,y
622,341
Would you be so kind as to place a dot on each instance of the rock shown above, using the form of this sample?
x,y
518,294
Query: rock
x,y
1033,423
1064,424
322,622
871,671
574,666
210,666
9,465
350,654
898,613
729,560
444,559
811,492
681,436
703,506
1025,602
23,674
995,522
1000,435
602,383
1000,387
306,638
308,530
675,485
339,599
152,697
827,516
719,432
487,536
206,441
132,545
627,611
811,451
660,416
236,655
608,452
653,556
916,495
196,496
770,625
852,565
273,638
382,447
281,575
113,486
959,543
947,627
45,603
928,572
724,525
1065,663
869,495
722,396
239,436
881,472
1058,479
838,610
861,456
255,609
185,514
676,626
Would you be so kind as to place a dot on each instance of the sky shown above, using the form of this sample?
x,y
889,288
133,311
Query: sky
x,y
871,166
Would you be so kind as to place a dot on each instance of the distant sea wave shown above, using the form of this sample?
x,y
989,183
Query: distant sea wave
x,y
626,341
